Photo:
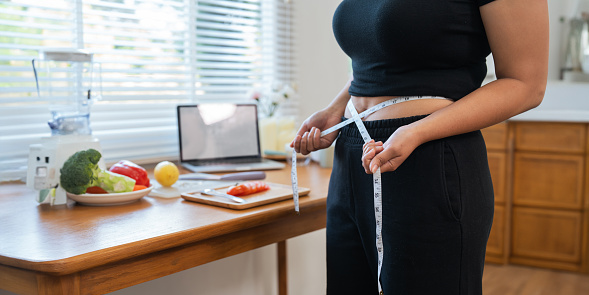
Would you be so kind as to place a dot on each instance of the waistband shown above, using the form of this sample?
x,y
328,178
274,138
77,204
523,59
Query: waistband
x,y
379,130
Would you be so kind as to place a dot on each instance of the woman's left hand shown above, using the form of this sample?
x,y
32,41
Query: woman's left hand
x,y
390,155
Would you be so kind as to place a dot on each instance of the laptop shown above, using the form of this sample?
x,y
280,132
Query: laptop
x,y
221,137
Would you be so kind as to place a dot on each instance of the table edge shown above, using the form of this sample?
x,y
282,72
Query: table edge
x,y
160,243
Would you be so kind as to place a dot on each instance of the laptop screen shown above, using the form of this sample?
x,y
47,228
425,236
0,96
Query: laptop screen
x,y
214,131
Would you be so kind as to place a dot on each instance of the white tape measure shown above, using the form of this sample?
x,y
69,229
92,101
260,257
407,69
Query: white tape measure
x,y
376,177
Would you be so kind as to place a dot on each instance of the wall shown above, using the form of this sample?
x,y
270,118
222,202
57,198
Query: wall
x,y
323,70
558,9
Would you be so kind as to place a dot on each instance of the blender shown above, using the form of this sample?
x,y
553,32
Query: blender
x,y
65,78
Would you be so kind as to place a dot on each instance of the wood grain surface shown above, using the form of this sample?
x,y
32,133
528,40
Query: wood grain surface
x,y
277,192
67,247
521,280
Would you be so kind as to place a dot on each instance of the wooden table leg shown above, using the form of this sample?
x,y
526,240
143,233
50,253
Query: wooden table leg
x,y
282,281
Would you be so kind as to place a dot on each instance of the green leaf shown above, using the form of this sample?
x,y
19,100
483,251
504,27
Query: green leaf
x,y
43,194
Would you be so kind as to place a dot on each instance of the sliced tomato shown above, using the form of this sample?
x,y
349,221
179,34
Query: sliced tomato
x,y
248,188
96,190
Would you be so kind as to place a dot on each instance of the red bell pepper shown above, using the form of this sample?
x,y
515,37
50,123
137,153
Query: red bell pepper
x,y
132,170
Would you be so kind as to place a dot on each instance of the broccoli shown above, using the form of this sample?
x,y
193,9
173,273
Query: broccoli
x,y
81,171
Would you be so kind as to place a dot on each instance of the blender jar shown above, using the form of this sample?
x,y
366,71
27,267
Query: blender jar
x,y
66,78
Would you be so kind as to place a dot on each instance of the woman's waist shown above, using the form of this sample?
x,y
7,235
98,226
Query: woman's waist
x,y
405,108
379,130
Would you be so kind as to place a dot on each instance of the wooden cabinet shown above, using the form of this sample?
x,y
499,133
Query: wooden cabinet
x,y
540,176
546,235
550,137
498,155
548,180
496,244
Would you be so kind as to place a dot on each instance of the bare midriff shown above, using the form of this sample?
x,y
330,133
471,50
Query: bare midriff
x,y
398,110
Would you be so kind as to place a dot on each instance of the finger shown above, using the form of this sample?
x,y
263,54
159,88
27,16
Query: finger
x,y
372,149
293,143
382,158
366,158
368,155
378,146
303,146
303,129
375,164
378,149
310,147
317,138
368,143
296,144
367,146
391,165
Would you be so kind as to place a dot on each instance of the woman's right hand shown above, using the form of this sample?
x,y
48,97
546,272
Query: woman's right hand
x,y
309,137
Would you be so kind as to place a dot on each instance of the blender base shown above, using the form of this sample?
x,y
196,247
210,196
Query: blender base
x,y
46,159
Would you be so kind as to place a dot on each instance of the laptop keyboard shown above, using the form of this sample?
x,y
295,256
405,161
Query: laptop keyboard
x,y
225,162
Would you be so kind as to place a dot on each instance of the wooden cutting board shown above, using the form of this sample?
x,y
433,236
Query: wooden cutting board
x,y
184,186
277,192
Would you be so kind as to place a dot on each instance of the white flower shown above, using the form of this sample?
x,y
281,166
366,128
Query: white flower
x,y
270,99
288,91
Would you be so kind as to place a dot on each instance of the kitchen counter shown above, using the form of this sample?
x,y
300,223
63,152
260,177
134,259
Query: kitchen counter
x,y
563,102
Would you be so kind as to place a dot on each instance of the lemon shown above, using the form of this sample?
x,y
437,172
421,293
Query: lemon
x,y
166,173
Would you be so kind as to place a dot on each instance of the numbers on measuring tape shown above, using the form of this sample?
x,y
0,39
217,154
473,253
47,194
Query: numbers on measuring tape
x,y
294,180
377,180
374,109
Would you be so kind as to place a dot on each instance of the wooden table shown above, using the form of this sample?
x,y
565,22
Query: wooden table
x,y
74,249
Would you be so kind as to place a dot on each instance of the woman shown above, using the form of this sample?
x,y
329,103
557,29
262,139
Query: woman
x,y
437,198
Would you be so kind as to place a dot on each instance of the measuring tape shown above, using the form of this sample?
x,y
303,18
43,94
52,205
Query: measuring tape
x,y
376,180
376,177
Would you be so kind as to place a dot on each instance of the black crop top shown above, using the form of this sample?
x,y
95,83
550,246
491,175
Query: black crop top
x,y
413,47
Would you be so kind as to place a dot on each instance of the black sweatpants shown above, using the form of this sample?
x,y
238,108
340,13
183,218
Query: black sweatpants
x,y
437,215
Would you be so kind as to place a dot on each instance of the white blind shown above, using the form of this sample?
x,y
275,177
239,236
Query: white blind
x,y
154,54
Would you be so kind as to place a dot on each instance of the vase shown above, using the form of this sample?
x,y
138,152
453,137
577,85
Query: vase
x,y
275,132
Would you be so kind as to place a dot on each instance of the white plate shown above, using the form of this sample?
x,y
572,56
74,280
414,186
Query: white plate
x,y
109,199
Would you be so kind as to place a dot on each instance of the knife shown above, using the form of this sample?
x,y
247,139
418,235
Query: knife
x,y
212,192
250,175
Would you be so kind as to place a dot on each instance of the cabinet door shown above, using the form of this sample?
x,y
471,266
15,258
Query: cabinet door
x,y
495,245
548,180
547,234
496,136
497,166
550,137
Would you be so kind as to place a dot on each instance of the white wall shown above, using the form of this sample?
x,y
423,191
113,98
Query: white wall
x,y
558,9
323,70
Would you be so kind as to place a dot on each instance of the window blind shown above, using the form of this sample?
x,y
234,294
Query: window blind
x,y
154,55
